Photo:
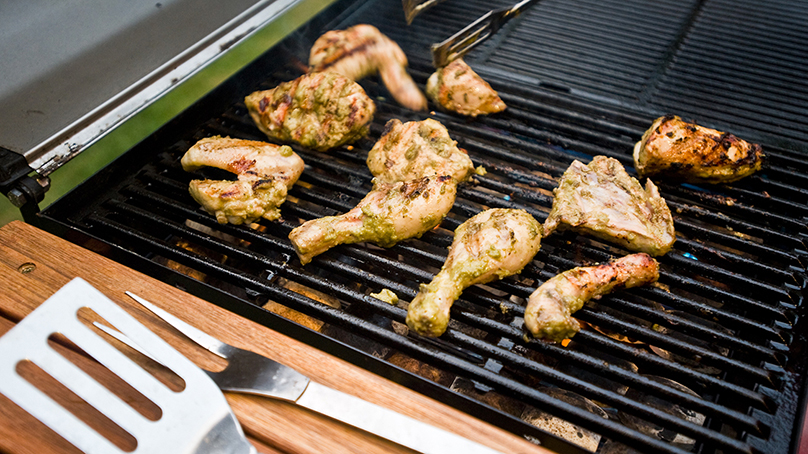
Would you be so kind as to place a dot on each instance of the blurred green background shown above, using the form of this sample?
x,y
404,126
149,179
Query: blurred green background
x,y
150,119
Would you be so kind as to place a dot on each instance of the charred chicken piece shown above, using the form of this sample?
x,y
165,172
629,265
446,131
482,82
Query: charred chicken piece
x,y
601,199
265,172
457,88
493,244
389,213
549,308
683,151
362,51
319,111
416,149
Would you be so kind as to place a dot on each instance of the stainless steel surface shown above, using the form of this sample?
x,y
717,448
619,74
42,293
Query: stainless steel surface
x,y
73,73
250,373
475,33
197,419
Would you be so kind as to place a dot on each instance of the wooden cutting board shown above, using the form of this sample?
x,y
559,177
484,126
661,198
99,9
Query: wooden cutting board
x,y
34,264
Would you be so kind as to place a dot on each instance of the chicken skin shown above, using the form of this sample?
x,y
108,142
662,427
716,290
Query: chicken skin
x,y
549,308
601,199
389,213
493,244
265,172
691,153
457,88
416,149
361,51
319,111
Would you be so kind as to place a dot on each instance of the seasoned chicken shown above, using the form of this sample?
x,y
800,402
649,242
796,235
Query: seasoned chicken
x,y
457,88
603,200
683,151
548,311
319,111
362,51
264,171
417,149
389,213
491,245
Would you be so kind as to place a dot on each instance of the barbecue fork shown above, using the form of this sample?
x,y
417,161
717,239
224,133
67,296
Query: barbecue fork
x,y
475,33
251,373
413,8
194,420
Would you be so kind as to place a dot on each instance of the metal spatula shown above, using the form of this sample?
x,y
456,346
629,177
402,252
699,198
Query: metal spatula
x,y
196,419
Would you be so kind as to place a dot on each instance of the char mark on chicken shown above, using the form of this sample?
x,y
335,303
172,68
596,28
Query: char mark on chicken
x,y
602,200
457,88
389,213
361,51
264,174
319,111
491,245
678,150
417,149
549,308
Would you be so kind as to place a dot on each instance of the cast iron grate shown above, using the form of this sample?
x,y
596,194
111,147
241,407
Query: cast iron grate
x,y
720,329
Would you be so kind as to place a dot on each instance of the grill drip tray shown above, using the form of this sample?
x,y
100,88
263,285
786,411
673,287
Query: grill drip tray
x,y
710,360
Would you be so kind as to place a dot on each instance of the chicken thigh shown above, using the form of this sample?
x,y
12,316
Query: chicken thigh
x,y
549,308
493,244
601,199
361,51
265,172
319,111
688,152
417,149
457,88
389,213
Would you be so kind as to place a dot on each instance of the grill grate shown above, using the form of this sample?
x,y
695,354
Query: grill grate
x,y
723,324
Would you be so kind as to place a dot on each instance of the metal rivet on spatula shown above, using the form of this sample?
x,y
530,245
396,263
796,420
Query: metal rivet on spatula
x,y
26,268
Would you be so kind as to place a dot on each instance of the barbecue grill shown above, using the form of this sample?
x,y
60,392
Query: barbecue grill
x,y
712,359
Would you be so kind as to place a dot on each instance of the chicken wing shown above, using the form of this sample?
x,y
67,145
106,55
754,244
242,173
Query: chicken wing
x,y
688,152
389,213
362,51
603,200
264,171
319,111
457,88
416,149
491,245
549,308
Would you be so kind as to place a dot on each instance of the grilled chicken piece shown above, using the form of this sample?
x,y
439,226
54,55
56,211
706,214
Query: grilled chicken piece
x,y
416,149
319,111
457,88
688,152
491,245
603,200
362,51
548,311
389,213
264,171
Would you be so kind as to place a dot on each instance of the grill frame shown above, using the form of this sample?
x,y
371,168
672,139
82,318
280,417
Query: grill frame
x,y
66,219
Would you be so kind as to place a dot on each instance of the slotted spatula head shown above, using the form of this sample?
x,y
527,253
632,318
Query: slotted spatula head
x,y
196,419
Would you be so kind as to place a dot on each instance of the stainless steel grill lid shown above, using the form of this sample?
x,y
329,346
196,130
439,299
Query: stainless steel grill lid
x,y
713,360
74,71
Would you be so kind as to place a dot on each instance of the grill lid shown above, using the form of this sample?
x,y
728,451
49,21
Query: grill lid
x,y
72,73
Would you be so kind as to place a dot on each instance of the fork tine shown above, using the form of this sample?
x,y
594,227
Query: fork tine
x,y
202,339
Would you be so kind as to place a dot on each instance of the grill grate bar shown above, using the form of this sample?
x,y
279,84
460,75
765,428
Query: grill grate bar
x,y
548,373
331,315
358,274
